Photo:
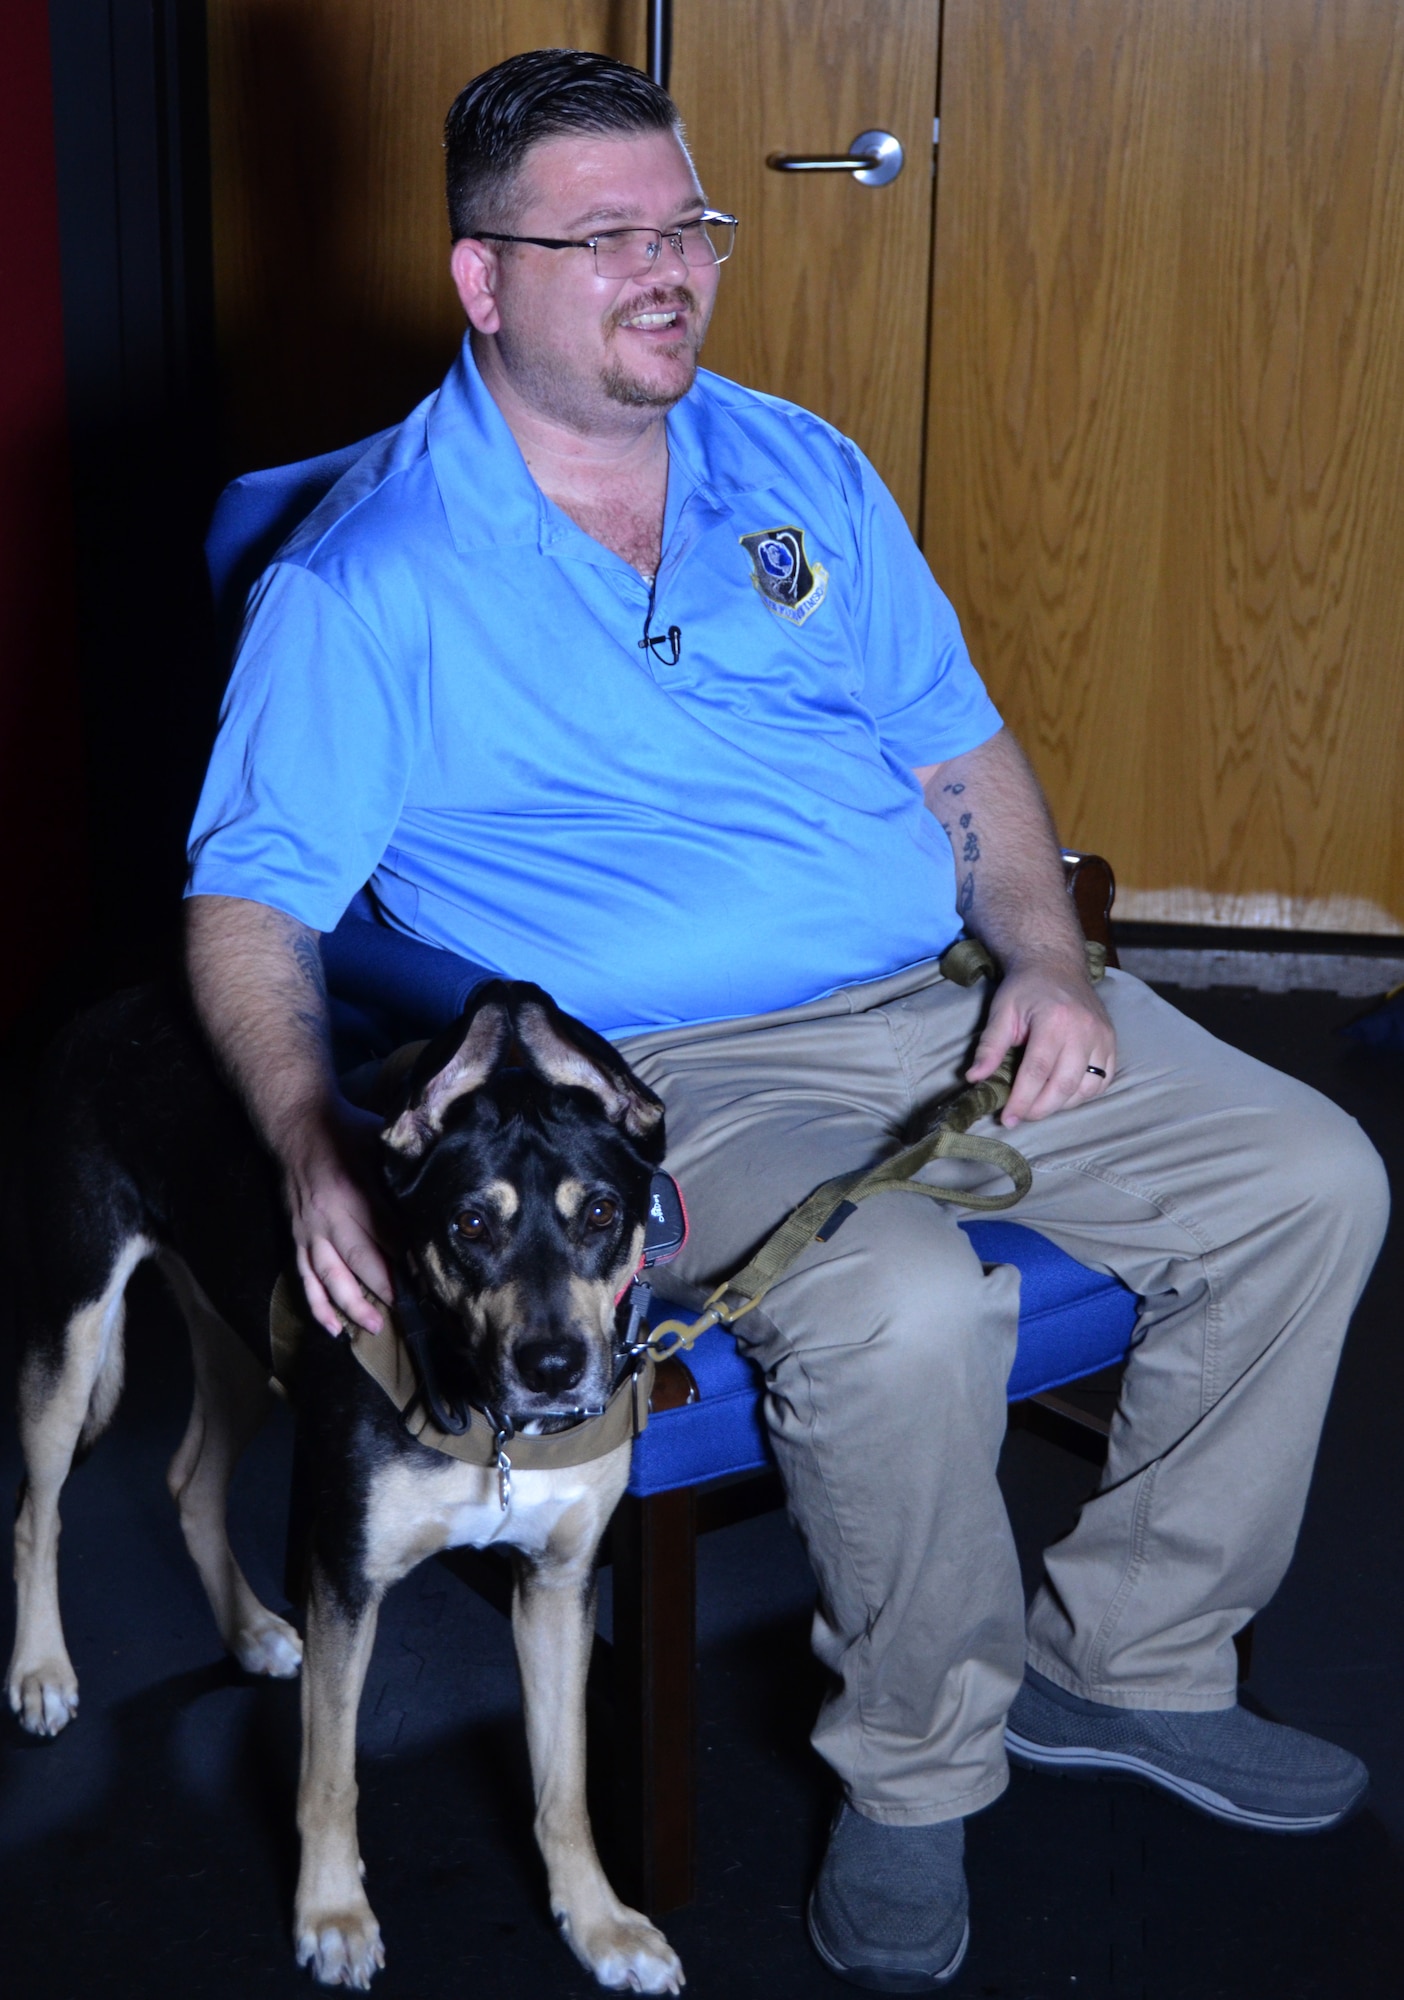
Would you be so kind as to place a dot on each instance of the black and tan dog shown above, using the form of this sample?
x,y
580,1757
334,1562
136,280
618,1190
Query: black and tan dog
x,y
519,1170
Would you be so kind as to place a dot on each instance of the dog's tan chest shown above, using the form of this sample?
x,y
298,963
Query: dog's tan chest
x,y
414,1511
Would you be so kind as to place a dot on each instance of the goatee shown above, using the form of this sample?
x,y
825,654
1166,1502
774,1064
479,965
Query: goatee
x,y
635,395
629,390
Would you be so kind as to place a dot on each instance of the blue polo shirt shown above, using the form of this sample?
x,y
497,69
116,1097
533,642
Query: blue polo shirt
x,y
440,690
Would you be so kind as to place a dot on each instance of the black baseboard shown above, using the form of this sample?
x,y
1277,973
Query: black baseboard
x,y
1217,937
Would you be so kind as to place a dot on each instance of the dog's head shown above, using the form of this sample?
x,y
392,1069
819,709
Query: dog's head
x,y
520,1167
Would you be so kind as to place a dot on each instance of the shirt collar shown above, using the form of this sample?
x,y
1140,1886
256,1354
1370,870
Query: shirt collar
x,y
489,497
491,500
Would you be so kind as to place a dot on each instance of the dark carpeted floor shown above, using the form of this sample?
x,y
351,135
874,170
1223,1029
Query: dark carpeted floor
x,y
151,1850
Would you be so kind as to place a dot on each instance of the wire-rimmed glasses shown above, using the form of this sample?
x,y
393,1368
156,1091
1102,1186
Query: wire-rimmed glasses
x,y
634,253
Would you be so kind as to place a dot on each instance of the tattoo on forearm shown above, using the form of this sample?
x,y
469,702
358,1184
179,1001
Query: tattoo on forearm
x,y
307,955
307,958
969,850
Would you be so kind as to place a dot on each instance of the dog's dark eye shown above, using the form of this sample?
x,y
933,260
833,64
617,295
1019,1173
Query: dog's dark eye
x,y
469,1225
601,1212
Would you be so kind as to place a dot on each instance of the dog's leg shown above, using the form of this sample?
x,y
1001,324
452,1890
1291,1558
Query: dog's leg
x,y
231,1401
553,1621
333,1924
62,1402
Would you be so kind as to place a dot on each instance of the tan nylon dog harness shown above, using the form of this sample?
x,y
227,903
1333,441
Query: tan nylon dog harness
x,y
386,1359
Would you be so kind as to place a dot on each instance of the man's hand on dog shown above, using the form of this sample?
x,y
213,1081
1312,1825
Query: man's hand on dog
x,y
340,1238
1069,1044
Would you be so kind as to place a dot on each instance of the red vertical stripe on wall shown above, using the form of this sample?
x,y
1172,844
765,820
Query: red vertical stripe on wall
x,y
43,903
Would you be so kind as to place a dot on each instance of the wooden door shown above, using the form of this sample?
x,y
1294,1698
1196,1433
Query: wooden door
x,y
333,305
826,299
334,310
1165,473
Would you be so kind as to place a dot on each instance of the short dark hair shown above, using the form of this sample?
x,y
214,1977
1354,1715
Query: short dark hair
x,y
496,119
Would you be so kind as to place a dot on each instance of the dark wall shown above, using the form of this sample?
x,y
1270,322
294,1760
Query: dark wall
x,y
131,144
41,833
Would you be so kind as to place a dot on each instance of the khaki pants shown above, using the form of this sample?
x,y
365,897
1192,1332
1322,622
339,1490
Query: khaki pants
x,y
1243,1208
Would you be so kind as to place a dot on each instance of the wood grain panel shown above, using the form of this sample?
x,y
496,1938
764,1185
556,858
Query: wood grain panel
x,y
333,304
826,299
1167,434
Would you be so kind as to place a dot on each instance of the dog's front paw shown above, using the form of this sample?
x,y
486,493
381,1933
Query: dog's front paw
x,y
625,1952
268,1645
342,1947
45,1698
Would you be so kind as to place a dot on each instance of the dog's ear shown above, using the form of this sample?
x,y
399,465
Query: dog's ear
x,y
563,1050
454,1063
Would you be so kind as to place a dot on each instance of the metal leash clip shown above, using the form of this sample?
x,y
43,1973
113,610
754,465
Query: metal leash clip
x,y
501,1438
636,1337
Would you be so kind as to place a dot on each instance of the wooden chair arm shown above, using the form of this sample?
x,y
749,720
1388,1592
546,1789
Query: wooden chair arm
x,y
1092,887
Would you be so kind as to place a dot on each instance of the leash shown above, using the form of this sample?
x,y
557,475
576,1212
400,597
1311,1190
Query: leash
x,y
824,1212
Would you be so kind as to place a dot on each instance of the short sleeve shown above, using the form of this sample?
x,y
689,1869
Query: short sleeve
x,y
918,680
312,761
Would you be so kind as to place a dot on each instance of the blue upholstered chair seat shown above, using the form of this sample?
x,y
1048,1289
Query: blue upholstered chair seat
x,y
1072,1322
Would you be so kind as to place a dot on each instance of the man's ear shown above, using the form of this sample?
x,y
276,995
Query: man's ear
x,y
475,266
563,1050
454,1063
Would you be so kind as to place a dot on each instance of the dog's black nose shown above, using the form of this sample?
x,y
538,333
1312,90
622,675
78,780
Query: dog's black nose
x,y
549,1363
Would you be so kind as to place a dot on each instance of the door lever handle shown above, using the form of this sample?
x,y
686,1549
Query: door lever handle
x,y
874,158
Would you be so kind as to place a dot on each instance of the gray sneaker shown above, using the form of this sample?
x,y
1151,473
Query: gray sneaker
x,y
1227,1762
889,1910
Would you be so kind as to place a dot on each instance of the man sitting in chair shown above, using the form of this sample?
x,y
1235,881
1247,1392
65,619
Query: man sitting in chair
x,y
624,679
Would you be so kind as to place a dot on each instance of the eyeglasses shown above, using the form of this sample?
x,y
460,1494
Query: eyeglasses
x,y
634,253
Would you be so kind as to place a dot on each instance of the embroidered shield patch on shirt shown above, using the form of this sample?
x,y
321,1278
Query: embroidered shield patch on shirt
x,y
783,574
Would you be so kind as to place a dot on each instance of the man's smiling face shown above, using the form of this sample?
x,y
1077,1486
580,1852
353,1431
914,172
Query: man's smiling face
x,y
577,347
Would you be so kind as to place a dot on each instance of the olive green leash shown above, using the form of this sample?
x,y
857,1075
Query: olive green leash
x,y
830,1205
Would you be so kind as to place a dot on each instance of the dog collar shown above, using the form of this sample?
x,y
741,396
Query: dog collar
x,y
386,1358
398,1359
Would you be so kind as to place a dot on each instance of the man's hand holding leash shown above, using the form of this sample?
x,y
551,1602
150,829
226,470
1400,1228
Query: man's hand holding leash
x,y
1069,1045
1011,895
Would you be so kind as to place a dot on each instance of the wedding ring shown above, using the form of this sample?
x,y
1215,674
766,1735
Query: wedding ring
x,y
1092,1070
